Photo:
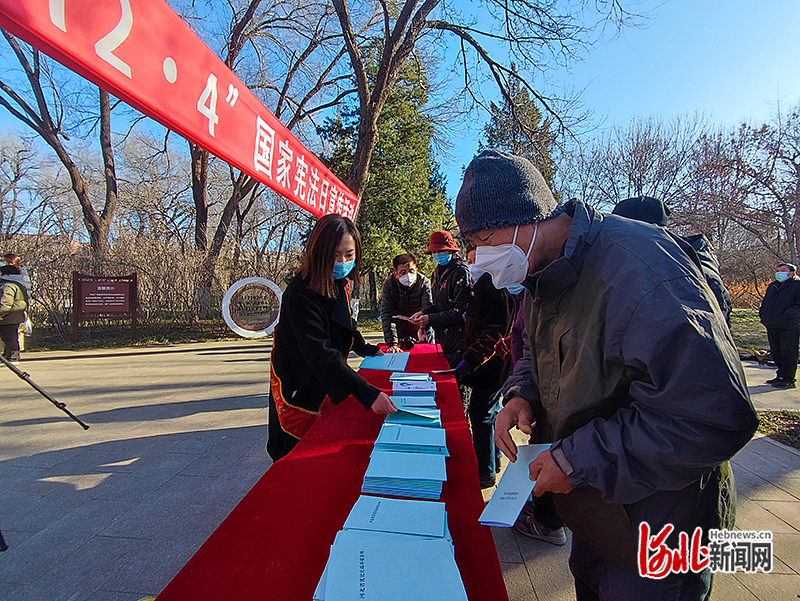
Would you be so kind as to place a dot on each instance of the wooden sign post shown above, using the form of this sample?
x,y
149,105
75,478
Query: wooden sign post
x,y
100,297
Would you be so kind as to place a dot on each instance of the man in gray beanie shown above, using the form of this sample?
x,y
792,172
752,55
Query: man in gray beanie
x,y
628,369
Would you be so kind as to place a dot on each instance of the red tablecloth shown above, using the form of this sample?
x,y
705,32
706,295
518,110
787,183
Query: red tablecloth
x,y
276,541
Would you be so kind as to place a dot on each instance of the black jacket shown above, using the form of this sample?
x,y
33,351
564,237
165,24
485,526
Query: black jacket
x,y
397,299
780,308
488,319
450,292
309,353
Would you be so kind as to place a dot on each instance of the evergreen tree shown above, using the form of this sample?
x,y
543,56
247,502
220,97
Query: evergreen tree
x,y
526,135
404,200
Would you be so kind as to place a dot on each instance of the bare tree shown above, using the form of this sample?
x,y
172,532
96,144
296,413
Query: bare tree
x,y
530,34
45,116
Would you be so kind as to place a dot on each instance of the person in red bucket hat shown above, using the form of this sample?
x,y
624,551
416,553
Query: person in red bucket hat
x,y
450,293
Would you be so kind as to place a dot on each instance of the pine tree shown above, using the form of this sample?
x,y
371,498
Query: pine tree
x,y
404,200
521,130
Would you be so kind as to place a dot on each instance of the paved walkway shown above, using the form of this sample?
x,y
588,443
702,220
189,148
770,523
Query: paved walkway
x,y
178,437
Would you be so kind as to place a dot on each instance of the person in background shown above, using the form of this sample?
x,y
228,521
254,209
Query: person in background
x,y
315,333
450,293
405,292
14,301
487,320
628,369
780,314
697,246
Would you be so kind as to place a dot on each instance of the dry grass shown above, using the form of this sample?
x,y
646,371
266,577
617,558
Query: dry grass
x,y
783,426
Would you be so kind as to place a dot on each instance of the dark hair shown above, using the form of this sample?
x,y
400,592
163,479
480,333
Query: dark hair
x,y
789,265
12,259
320,253
404,259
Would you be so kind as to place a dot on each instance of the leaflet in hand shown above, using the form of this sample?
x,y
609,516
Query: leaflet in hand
x,y
513,489
386,362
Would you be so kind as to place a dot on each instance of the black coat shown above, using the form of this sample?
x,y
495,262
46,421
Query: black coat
x,y
312,340
450,293
488,319
780,308
397,299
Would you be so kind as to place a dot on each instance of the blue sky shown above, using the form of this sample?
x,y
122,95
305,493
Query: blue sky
x,y
733,60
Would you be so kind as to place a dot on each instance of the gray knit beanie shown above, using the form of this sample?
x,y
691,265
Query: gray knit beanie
x,y
501,190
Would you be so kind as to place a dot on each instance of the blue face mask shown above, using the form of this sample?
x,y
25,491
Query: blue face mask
x,y
515,288
340,270
781,276
442,258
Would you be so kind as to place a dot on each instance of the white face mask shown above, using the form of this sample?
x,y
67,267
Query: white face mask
x,y
506,262
475,272
408,279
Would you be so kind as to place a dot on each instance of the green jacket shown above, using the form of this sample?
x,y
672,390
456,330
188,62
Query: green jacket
x,y
634,377
13,301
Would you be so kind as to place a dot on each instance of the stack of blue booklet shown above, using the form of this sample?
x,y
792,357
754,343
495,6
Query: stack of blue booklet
x,y
392,549
411,439
400,516
415,475
381,566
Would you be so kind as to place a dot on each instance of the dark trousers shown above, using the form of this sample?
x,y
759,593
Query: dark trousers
x,y
544,511
9,334
597,580
783,347
484,405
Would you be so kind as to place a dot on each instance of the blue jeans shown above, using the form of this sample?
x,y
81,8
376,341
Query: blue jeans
x,y
597,580
484,405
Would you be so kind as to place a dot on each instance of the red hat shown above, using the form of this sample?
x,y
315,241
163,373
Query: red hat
x,y
442,241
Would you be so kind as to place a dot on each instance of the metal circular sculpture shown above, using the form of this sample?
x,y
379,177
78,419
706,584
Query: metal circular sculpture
x,y
251,307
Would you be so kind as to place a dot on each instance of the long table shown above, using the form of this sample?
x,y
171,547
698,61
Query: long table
x,y
276,541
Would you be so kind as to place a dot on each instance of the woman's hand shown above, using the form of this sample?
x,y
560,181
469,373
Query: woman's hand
x,y
394,349
383,405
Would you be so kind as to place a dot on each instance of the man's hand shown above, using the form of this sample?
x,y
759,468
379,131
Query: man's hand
x,y
419,319
517,412
394,349
548,476
503,347
383,405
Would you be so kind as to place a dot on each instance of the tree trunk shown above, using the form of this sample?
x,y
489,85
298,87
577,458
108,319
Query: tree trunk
x,y
200,196
373,291
243,185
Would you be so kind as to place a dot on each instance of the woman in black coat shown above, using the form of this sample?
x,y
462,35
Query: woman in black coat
x,y
315,333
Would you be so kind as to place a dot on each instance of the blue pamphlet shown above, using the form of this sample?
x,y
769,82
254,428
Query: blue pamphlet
x,y
387,362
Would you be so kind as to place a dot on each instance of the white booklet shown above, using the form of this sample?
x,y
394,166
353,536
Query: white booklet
x,y
513,489
414,388
409,376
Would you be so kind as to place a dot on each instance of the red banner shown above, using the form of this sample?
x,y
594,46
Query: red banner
x,y
142,52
